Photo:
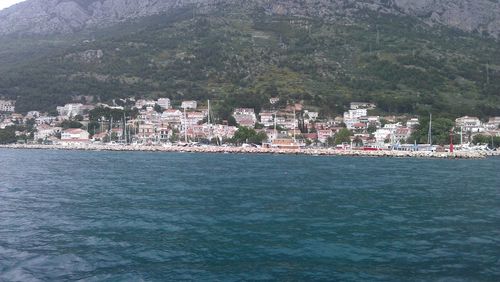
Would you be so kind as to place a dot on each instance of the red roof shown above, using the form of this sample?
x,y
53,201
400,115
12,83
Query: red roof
x,y
311,135
74,130
359,124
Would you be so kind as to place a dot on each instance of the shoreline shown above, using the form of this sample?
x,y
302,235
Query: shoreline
x,y
253,150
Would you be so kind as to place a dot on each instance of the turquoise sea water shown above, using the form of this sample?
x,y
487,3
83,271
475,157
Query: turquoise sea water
x,y
103,216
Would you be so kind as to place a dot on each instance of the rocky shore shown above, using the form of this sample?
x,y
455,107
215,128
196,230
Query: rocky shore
x,y
253,150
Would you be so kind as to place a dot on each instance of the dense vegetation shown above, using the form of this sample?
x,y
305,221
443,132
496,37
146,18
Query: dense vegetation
x,y
237,58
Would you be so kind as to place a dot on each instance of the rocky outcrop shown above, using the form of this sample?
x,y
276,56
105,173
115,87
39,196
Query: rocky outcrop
x,y
66,16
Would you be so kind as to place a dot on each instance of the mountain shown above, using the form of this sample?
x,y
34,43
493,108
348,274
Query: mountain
x,y
407,56
66,16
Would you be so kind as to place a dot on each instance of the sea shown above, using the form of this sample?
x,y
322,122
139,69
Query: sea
x,y
138,216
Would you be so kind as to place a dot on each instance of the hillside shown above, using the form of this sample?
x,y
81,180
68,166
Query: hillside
x,y
326,53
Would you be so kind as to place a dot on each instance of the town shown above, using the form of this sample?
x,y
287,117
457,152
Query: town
x,y
284,125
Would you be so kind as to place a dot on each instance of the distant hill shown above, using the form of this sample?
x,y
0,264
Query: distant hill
x,y
406,56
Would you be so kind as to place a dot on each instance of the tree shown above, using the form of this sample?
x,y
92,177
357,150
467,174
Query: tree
x,y
93,127
372,128
330,141
158,108
243,134
258,138
71,124
343,136
231,121
8,135
249,135
441,128
483,139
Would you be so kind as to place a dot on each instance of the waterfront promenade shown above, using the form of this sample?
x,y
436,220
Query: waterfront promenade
x,y
254,150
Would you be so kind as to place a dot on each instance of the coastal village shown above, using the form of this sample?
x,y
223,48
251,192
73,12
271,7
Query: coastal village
x,y
191,123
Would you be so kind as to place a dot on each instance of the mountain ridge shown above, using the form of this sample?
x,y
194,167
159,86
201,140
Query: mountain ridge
x,y
68,16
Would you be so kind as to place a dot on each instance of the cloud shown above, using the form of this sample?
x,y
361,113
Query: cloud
x,y
8,3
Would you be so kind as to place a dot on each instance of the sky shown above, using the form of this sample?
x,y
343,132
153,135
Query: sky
x,y
7,3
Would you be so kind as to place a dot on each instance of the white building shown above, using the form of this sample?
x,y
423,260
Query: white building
x,y
70,110
402,134
352,117
164,103
194,118
267,118
310,116
33,114
411,123
7,106
172,116
324,134
189,105
44,131
45,119
355,113
493,123
74,135
362,105
469,124
381,135
141,103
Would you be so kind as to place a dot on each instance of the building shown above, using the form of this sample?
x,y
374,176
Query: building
x,y
70,110
267,118
164,103
273,101
32,114
45,120
493,123
469,124
352,117
189,105
324,134
310,116
402,134
194,118
172,116
285,143
7,106
146,132
382,134
44,131
245,116
141,103
74,135
412,123
362,105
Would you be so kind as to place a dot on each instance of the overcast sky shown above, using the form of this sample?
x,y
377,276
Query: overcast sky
x,y
7,3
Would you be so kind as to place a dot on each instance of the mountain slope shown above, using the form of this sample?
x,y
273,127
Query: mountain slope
x,y
240,54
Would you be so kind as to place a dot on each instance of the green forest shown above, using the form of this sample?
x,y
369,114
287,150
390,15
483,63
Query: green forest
x,y
242,58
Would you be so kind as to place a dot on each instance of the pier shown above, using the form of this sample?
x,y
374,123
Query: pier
x,y
259,150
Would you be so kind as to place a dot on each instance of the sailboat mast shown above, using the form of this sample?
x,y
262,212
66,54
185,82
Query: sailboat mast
x,y
185,126
294,122
430,130
208,112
